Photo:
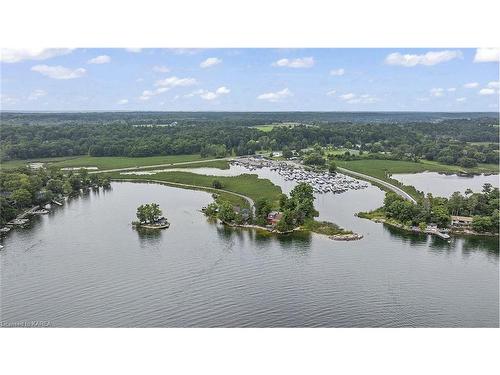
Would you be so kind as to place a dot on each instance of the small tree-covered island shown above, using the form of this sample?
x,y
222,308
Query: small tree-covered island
x,y
296,212
150,217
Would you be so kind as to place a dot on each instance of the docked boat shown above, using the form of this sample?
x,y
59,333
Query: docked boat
x,y
321,182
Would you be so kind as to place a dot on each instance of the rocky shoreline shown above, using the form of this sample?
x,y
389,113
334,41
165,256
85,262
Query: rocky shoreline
x,y
336,237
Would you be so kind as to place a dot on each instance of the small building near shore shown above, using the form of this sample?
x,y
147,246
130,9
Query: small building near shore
x,y
274,217
461,221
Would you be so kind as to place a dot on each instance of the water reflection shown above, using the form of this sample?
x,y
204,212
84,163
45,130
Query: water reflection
x,y
471,244
86,266
149,236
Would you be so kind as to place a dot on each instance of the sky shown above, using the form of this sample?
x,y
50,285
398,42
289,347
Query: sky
x,y
448,80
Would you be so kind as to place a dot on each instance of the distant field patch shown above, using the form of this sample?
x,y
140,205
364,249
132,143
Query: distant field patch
x,y
380,168
268,127
483,143
22,163
106,162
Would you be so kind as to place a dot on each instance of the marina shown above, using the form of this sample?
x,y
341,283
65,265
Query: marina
x,y
321,182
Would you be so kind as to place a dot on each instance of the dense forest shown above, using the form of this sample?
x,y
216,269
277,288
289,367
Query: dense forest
x,y
446,140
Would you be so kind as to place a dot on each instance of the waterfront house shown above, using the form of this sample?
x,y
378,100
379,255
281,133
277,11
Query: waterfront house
x,y
461,221
274,217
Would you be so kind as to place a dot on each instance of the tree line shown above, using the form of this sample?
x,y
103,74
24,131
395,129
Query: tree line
x,y
482,207
448,141
22,188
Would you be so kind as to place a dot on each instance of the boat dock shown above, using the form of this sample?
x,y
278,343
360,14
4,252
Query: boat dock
x,y
433,229
321,182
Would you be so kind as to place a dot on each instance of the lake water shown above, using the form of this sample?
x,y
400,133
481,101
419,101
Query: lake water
x,y
445,185
84,266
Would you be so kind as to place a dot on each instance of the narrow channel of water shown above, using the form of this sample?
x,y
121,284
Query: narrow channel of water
x,y
443,185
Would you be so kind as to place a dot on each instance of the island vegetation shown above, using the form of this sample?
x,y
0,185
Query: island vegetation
x,y
149,216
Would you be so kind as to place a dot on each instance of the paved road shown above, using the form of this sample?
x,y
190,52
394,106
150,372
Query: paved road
x,y
389,186
157,166
249,200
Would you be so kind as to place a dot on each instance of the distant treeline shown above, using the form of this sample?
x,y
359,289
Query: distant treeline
x,y
241,118
31,136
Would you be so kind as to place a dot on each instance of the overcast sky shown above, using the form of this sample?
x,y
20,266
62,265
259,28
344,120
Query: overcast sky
x,y
250,79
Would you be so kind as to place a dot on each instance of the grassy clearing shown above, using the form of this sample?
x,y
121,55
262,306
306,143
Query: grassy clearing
x,y
265,128
438,167
482,143
245,184
219,164
115,162
106,162
380,168
268,127
22,163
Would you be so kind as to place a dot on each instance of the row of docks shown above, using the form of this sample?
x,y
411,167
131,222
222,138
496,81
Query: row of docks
x,y
321,182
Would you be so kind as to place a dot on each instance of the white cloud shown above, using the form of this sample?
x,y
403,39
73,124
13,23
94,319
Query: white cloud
x,y
337,72
102,59
36,94
161,69
471,85
494,85
304,62
10,55
331,93
348,96
437,92
428,59
222,90
487,55
451,89
58,72
211,61
275,96
175,81
209,95
352,98
486,92
133,50
462,99
147,94
194,93
122,101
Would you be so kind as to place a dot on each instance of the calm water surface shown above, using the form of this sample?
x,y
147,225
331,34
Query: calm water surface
x,y
445,185
83,265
